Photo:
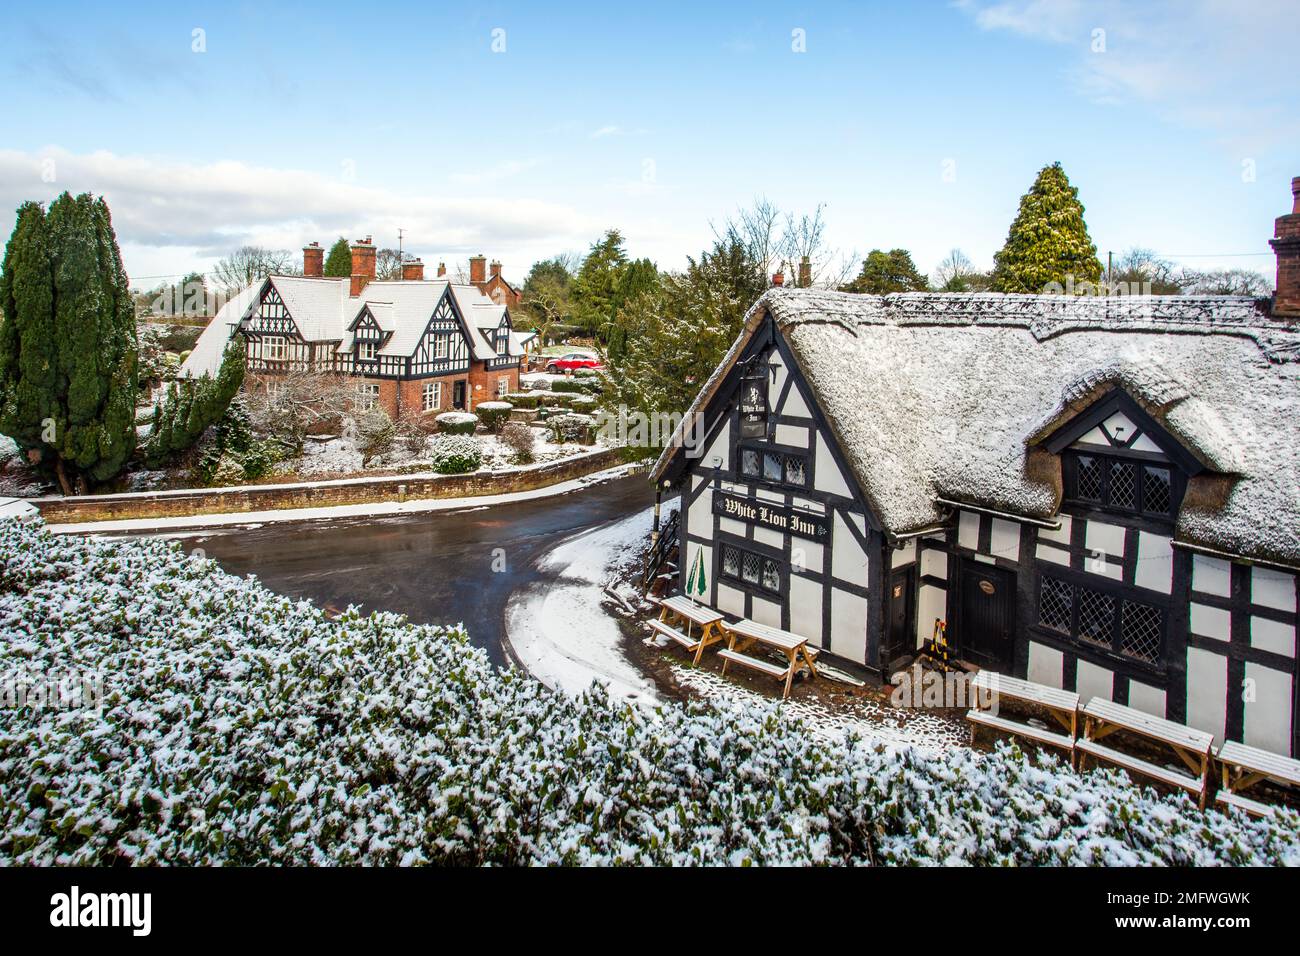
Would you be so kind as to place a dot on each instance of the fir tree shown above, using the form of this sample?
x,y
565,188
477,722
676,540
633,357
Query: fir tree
x,y
338,264
68,382
885,272
1047,247
595,287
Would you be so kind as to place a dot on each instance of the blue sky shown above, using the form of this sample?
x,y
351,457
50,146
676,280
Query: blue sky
x,y
918,125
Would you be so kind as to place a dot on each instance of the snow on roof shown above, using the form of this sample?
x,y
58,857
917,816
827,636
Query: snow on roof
x,y
945,395
324,310
205,357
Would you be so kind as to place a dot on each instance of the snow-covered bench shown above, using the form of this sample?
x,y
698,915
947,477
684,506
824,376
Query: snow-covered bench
x,y
1063,705
1103,718
1244,767
745,633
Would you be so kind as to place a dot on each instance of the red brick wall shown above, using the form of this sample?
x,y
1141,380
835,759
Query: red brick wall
x,y
483,382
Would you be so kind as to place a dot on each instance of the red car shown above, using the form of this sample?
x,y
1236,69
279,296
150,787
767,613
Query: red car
x,y
571,361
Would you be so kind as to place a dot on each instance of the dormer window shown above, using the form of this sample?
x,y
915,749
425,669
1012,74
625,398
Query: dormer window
x,y
1113,482
366,351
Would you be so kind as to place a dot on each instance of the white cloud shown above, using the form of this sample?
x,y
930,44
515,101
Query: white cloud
x,y
173,216
1215,65
606,131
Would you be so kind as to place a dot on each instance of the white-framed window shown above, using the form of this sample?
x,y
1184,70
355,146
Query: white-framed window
x,y
275,348
440,346
366,351
432,396
503,387
367,396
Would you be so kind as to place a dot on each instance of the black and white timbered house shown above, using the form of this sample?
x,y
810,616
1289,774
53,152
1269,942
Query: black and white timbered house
x,y
1095,493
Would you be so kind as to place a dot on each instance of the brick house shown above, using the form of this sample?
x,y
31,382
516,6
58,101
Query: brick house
x,y
411,344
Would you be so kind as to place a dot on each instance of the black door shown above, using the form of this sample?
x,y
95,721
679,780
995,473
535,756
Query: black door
x,y
987,616
458,395
900,633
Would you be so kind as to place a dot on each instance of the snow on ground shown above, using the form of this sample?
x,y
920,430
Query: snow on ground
x,y
559,630
381,508
870,718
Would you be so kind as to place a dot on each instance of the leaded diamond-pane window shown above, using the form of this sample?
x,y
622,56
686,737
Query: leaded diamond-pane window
x,y
1142,631
746,567
1055,604
1157,492
772,470
731,562
1096,616
1089,478
749,462
1123,485
749,567
794,470
771,576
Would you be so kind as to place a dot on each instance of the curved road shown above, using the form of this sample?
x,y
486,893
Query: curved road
x,y
442,567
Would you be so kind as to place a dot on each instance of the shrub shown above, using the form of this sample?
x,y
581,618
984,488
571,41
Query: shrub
x,y
571,428
455,454
493,414
375,433
273,734
520,439
457,423
566,385
523,400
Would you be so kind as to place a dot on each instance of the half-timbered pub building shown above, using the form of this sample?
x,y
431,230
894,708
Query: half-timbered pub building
x,y
410,345
1100,493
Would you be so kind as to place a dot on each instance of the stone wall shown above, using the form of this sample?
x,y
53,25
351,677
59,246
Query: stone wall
x,y
344,491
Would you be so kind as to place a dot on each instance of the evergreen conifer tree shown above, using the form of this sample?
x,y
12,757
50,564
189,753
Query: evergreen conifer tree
x,y
1047,247
338,264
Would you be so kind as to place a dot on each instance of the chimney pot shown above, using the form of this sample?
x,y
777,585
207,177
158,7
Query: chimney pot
x,y
413,271
478,269
778,279
496,268
442,269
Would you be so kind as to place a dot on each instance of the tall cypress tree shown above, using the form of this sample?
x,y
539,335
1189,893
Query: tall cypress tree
x,y
190,407
338,264
1048,242
72,341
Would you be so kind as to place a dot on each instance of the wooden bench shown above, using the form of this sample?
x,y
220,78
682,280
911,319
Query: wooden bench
x,y
1103,718
686,613
692,644
745,633
1243,767
1063,705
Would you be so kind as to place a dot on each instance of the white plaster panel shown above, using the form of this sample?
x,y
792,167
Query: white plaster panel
x,y
1103,537
1045,552
1272,636
934,563
828,476
931,604
1061,535
769,537
903,556
1155,562
1093,680
1266,720
796,435
807,555
1275,589
1211,575
1005,539
806,608
1046,665
766,612
848,626
1212,622
848,560
731,600
968,530
1148,699
1207,690
732,526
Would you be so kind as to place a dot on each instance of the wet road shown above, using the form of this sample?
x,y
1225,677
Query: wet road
x,y
438,568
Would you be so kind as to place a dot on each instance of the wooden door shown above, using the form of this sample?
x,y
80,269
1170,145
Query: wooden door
x,y
986,618
900,626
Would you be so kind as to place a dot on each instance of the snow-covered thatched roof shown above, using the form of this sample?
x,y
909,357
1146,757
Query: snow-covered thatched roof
x,y
946,396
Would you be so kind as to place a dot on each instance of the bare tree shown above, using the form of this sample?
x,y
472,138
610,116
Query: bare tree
x,y
291,405
249,264
388,264
776,240
1226,282
956,273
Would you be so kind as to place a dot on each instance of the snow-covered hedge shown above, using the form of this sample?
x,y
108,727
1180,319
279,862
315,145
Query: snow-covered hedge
x,y
455,454
493,414
242,727
457,423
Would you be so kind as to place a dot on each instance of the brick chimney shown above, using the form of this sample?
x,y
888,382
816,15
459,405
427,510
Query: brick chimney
x,y
413,271
778,279
313,260
478,269
805,273
496,269
1286,302
442,269
363,264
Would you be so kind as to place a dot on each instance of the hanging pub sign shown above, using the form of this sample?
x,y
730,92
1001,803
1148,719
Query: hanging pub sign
x,y
778,518
753,402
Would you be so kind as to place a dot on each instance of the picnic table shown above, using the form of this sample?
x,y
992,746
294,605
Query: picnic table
x,y
679,612
1063,705
744,633
1244,766
1192,747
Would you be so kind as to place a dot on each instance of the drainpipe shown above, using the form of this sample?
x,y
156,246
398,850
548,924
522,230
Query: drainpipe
x,y
654,534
